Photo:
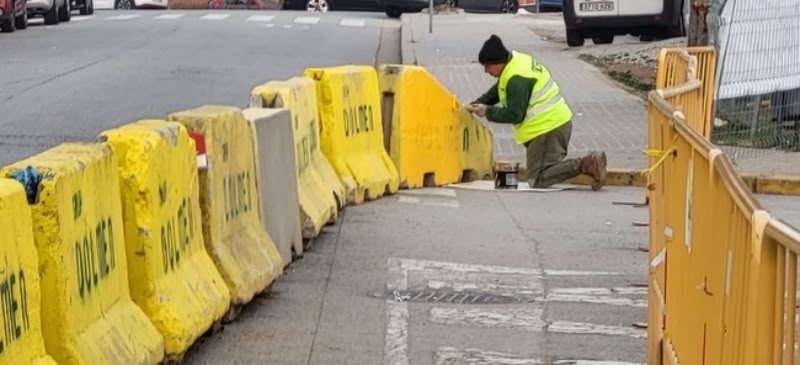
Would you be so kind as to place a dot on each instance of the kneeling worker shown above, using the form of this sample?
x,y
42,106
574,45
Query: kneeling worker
x,y
531,101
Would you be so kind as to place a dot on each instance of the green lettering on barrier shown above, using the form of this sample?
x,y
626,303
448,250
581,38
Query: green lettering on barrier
x,y
465,140
238,198
162,193
77,205
176,236
313,134
14,302
358,119
94,256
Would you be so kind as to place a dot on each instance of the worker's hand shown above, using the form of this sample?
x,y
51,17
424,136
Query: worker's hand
x,y
477,109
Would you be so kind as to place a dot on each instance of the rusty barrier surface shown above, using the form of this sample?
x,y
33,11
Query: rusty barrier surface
x,y
723,272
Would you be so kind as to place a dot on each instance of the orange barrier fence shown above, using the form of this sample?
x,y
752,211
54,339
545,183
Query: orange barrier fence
x,y
723,272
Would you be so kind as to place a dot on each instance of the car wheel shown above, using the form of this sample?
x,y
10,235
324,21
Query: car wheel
x,y
646,38
508,6
22,20
65,12
86,9
574,38
125,5
51,17
608,39
317,5
393,12
91,7
8,26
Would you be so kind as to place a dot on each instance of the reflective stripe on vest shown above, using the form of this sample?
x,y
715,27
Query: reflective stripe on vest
x,y
546,110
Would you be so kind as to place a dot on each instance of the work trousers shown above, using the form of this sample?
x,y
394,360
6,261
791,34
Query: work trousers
x,y
546,158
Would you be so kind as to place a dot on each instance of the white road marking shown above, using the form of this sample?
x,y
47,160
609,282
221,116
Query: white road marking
x,y
306,20
77,18
305,27
214,16
270,25
527,318
428,202
123,17
419,265
451,193
350,22
396,341
451,355
260,18
169,16
287,26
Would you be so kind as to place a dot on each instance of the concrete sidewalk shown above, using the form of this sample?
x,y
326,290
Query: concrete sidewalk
x,y
607,117
482,277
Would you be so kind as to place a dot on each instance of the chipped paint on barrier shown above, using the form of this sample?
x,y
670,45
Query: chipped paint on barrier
x,y
452,356
160,193
88,315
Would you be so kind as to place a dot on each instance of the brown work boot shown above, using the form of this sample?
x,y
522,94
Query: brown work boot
x,y
594,165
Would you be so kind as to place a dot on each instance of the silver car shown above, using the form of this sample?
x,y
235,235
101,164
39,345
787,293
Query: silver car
x,y
54,11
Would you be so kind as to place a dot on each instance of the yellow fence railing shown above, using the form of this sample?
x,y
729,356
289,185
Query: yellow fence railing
x,y
723,272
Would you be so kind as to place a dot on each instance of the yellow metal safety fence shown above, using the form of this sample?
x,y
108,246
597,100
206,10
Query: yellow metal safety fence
x,y
723,272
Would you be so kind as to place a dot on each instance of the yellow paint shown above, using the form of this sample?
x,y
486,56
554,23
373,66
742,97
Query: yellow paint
x,y
88,316
477,143
320,190
352,134
425,126
21,340
233,233
172,277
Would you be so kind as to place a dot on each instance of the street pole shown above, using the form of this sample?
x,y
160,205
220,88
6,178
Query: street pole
x,y
697,33
430,16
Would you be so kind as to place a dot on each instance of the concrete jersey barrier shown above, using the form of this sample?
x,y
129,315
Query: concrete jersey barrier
x,y
352,134
233,233
88,317
421,127
277,180
320,191
21,340
172,277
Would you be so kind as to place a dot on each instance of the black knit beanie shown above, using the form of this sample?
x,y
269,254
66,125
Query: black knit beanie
x,y
493,51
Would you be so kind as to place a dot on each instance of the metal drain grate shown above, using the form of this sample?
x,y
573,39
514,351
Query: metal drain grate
x,y
446,296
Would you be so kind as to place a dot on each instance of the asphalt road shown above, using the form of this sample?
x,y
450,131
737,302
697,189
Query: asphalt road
x,y
70,81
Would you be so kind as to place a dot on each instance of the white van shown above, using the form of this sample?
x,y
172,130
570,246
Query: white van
x,y
601,20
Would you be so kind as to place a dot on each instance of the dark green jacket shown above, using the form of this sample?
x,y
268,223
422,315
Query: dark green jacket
x,y
518,91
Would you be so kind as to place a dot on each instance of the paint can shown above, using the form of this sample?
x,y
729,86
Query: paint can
x,y
505,174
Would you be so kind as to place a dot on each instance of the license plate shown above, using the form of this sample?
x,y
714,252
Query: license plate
x,y
598,6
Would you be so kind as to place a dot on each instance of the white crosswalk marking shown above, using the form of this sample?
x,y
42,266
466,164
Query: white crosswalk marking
x,y
169,16
306,20
350,22
260,18
214,16
528,314
123,17
434,197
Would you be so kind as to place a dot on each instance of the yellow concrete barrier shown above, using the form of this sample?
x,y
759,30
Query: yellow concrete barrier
x,y
171,276
21,340
277,180
477,147
352,134
421,127
320,191
233,233
87,314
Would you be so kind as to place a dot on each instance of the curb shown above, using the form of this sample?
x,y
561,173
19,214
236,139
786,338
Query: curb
x,y
757,184
407,54
614,177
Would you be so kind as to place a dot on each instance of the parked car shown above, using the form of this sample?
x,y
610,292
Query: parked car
x,y
86,6
550,5
396,8
326,5
54,11
13,15
601,20
136,4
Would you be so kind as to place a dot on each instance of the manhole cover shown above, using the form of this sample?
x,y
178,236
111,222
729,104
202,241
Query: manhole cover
x,y
446,296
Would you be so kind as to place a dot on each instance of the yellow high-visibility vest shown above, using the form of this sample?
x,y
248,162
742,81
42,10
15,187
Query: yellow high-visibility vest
x,y
547,109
